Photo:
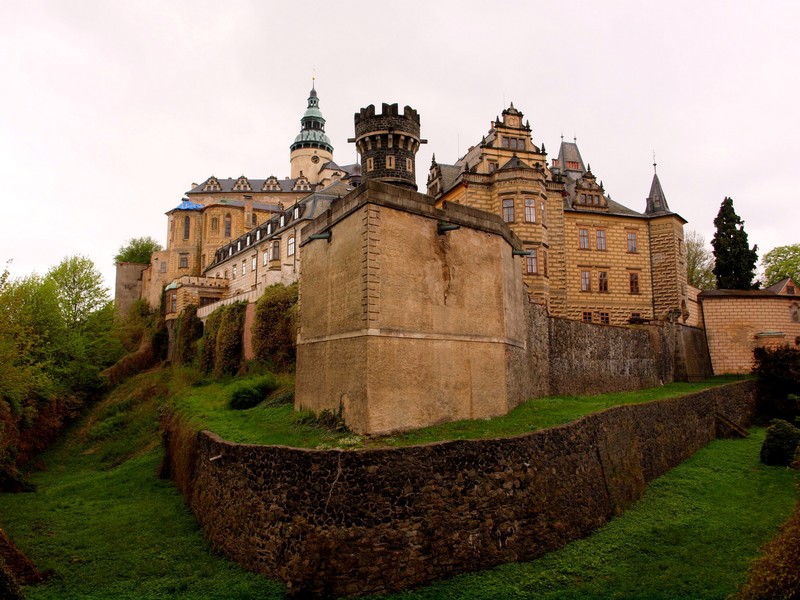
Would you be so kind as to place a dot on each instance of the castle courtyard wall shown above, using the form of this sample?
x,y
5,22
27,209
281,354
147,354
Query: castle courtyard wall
x,y
330,522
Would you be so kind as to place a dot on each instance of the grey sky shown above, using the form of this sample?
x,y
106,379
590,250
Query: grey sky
x,y
110,110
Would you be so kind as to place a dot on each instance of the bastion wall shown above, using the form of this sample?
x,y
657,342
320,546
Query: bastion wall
x,y
330,522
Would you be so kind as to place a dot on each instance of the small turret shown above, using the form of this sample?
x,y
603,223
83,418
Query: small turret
x,y
388,144
311,148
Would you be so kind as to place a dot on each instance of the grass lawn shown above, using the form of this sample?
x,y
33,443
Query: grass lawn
x,y
206,404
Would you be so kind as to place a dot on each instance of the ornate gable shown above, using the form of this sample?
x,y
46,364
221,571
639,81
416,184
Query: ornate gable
x,y
242,185
301,184
271,184
589,194
212,185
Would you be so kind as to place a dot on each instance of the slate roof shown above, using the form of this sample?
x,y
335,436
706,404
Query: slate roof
x,y
656,200
515,163
226,184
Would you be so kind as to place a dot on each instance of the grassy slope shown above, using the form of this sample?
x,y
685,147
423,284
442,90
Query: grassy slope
x,y
110,529
107,527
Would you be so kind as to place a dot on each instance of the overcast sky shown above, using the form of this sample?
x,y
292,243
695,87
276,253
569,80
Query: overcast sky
x,y
110,110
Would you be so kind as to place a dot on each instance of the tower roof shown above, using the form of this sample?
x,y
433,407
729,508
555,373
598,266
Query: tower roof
x,y
656,201
312,127
569,160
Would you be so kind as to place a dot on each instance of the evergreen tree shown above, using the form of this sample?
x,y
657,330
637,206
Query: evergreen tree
x,y
735,260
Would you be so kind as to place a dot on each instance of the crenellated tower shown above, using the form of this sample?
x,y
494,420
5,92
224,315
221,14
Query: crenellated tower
x,y
388,144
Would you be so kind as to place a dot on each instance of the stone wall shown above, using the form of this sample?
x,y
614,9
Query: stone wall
x,y
735,325
128,285
371,521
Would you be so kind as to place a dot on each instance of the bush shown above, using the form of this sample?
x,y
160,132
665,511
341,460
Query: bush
x,y
282,398
188,330
778,372
780,444
249,393
275,326
228,351
209,343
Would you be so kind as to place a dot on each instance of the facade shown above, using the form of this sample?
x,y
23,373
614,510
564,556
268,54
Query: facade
x,y
589,257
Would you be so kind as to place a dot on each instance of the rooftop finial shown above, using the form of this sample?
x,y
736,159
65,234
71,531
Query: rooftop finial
x,y
654,163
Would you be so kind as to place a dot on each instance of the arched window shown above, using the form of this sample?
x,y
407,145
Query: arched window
x,y
214,224
187,227
228,225
290,246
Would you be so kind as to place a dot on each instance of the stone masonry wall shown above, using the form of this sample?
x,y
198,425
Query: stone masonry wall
x,y
371,521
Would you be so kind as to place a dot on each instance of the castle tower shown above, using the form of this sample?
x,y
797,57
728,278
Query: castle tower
x,y
311,148
388,144
667,255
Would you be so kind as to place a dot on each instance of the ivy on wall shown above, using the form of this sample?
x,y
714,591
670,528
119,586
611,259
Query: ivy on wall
x,y
275,327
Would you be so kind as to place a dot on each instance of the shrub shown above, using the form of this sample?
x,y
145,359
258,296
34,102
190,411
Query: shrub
x,y
188,330
780,444
281,398
209,342
778,372
249,393
275,326
228,351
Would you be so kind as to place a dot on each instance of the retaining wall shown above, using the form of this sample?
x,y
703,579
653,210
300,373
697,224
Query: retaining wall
x,y
355,522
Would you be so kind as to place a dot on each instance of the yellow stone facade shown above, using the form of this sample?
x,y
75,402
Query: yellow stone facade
x,y
590,258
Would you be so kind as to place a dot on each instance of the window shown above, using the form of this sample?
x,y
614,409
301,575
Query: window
x,y
636,316
265,258
187,227
244,268
233,272
390,162
544,213
290,246
602,281
508,210
544,262
513,143
214,224
254,263
163,267
587,316
601,239
183,260
583,239
370,164
634,280
631,241
790,290
586,281
228,225
530,210
492,166
275,250
604,318
173,303
532,262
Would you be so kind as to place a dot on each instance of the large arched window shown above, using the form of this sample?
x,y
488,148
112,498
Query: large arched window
x,y
187,227
214,225
228,225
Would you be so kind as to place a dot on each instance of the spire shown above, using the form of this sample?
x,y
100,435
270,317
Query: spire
x,y
312,125
656,201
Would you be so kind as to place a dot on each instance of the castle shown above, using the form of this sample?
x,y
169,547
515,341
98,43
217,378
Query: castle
x,y
586,257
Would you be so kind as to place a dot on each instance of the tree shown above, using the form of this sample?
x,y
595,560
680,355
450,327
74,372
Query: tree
x,y
137,250
780,263
735,260
80,290
699,263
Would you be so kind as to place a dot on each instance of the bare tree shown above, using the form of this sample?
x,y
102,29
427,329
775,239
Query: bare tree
x,y
699,262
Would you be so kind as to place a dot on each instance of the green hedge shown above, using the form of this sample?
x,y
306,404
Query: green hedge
x,y
275,327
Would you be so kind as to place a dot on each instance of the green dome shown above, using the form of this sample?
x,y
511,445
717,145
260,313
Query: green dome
x,y
312,131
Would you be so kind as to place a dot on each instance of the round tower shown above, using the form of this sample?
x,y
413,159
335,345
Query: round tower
x,y
311,148
388,144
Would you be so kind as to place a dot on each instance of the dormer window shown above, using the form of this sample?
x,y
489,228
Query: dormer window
x,y
283,220
242,185
296,212
212,185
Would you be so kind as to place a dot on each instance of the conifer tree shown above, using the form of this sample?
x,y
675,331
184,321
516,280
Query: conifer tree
x,y
735,260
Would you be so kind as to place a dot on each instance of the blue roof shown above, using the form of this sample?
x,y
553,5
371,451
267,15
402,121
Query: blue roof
x,y
187,204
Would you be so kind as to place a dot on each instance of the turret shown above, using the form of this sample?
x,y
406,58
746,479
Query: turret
x,y
388,144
